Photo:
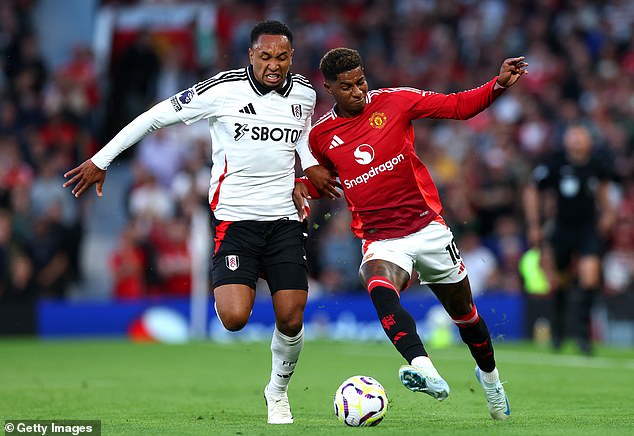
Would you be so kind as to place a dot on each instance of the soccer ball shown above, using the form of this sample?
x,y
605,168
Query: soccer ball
x,y
360,401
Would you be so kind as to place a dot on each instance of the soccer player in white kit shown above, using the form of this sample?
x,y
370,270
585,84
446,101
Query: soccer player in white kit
x,y
259,117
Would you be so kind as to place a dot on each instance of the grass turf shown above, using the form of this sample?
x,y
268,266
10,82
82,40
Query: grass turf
x,y
210,388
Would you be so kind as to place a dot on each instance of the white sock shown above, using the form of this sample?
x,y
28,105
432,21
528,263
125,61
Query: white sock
x,y
490,377
425,363
285,352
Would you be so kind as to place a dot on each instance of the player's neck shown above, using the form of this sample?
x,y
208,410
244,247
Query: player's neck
x,y
345,114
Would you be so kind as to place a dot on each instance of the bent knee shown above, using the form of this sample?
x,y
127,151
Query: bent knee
x,y
233,321
290,327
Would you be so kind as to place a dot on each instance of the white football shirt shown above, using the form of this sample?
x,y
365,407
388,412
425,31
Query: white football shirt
x,y
255,133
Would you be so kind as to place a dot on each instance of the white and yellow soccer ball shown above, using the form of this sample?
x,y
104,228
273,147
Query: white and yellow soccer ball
x,y
360,401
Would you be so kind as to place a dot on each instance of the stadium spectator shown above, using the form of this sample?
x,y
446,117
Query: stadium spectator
x,y
618,262
128,263
80,70
173,75
5,251
14,171
49,250
256,135
133,82
21,285
339,254
484,273
16,270
149,201
191,183
494,195
367,139
74,90
163,155
507,243
173,258
9,119
21,214
57,212
579,180
45,192
26,72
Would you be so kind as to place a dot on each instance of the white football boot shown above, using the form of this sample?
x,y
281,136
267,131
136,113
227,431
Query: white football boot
x,y
497,400
416,379
278,407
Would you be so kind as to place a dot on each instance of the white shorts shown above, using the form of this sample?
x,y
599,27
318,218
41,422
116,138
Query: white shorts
x,y
431,251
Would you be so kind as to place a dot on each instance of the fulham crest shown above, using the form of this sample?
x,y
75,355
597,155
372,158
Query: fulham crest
x,y
232,262
297,111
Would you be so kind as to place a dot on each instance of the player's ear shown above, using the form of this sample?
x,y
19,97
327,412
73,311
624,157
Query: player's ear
x,y
328,88
251,53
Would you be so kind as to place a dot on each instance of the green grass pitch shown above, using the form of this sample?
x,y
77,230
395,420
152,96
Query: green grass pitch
x,y
205,388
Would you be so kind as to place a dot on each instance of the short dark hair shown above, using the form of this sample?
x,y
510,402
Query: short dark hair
x,y
270,28
339,60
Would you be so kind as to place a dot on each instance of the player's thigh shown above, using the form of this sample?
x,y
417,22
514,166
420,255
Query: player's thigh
x,y
563,243
237,257
284,258
286,272
588,241
389,258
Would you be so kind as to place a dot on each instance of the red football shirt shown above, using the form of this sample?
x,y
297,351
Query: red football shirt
x,y
389,191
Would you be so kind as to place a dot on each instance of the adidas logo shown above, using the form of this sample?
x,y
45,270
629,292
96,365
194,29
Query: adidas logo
x,y
248,109
336,142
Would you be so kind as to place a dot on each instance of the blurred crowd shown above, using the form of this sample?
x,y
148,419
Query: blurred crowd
x,y
581,67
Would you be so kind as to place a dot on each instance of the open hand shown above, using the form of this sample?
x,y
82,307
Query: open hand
x,y
300,198
84,176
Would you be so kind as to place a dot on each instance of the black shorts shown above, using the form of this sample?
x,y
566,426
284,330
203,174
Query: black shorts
x,y
248,250
568,241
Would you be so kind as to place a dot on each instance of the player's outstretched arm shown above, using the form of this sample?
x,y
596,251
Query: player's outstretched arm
x,y
83,177
93,171
511,71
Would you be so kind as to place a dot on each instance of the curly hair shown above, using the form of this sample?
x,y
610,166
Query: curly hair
x,y
270,28
339,60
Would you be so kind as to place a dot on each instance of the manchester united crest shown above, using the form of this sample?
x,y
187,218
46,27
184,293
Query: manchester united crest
x,y
378,120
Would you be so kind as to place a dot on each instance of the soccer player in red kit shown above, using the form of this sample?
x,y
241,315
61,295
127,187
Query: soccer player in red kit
x,y
367,139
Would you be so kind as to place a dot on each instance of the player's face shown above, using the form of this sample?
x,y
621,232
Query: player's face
x,y
578,144
271,57
349,91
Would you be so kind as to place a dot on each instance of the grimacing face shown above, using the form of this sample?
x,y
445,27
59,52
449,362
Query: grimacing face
x,y
349,91
271,57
